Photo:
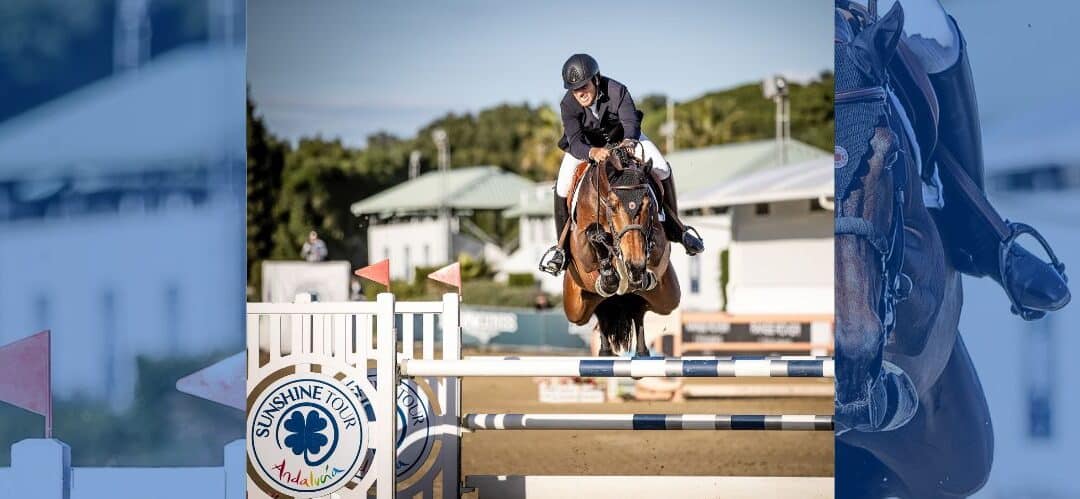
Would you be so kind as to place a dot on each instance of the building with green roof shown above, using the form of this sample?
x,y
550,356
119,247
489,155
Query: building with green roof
x,y
699,173
424,221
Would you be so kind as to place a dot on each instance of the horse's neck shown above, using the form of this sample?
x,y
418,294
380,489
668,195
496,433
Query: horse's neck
x,y
927,321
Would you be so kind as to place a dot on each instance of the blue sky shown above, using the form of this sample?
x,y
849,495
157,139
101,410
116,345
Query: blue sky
x,y
343,68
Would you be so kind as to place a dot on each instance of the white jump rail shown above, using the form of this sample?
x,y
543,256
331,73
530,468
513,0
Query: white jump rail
x,y
634,367
647,422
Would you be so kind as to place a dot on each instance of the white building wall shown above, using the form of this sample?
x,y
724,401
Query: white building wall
x,y
781,262
1018,360
535,235
705,267
408,244
116,286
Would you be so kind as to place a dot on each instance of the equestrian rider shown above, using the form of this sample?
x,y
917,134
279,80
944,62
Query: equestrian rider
x,y
935,40
597,113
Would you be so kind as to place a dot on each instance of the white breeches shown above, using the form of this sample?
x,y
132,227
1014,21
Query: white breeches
x,y
569,164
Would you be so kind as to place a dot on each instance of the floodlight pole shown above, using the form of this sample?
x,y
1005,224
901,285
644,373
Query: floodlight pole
x,y
442,143
669,126
776,88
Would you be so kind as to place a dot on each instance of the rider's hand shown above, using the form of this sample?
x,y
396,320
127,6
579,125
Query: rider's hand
x,y
598,154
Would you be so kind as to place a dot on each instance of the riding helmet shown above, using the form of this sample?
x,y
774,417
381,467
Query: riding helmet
x,y
578,70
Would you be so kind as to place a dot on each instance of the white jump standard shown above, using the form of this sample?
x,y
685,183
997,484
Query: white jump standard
x,y
646,422
734,367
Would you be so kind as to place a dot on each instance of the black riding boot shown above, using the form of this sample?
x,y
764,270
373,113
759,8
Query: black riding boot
x,y
674,229
554,260
974,246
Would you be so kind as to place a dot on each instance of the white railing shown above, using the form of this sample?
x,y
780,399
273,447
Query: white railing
x,y
41,469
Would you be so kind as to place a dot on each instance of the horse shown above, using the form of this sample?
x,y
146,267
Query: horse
x,y
619,256
912,418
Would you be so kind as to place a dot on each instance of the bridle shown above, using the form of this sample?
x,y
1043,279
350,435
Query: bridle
x,y
626,154
896,286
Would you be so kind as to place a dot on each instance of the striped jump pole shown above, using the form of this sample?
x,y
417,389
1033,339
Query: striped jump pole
x,y
646,422
712,367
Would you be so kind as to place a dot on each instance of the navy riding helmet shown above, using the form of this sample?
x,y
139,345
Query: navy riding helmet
x,y
578,70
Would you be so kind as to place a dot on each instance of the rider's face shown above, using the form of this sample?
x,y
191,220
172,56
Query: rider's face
x,y
585,95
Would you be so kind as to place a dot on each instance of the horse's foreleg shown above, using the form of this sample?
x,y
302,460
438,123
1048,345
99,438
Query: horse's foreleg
x,y
641,348
608,283
606,349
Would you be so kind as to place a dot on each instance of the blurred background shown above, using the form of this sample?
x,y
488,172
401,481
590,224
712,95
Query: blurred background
x,y
1030,120
121,218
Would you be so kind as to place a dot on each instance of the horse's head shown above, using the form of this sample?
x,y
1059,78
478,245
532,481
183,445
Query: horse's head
x,y
870,182
629,214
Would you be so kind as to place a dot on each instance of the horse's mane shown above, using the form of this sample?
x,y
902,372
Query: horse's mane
x,y
625,169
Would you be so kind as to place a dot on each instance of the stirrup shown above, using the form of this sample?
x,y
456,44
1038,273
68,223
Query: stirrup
x,y
687,230
1017,229
548,265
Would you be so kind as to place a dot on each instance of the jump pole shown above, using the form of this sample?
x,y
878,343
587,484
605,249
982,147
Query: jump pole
x,y
636,367
647,422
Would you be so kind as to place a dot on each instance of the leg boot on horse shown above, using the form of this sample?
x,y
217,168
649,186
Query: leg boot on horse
x,y
1034,286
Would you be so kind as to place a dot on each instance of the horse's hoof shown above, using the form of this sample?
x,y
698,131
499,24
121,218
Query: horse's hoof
x,y
640,353
602,290
605,353
891,402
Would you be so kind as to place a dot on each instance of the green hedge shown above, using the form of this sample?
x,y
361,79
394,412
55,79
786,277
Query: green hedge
x,y
522,279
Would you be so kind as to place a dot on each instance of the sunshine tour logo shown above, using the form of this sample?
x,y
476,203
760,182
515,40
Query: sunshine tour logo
x,y
414,419
307,435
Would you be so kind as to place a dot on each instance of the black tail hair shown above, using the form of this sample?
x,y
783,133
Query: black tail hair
x,y
616,316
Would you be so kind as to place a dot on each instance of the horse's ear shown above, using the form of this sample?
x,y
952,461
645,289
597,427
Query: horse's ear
x,y
615,161
601,176
887,32
648,166
879,40
875,45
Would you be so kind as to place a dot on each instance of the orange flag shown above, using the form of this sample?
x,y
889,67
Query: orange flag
x,y
450,274
221,382
378,272
25,376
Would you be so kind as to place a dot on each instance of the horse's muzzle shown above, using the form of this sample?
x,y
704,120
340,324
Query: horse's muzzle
x,y
889,402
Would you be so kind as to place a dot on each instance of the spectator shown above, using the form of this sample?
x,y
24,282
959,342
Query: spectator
x,y
314,249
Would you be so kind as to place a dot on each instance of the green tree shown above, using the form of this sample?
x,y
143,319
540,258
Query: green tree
x,y
265,163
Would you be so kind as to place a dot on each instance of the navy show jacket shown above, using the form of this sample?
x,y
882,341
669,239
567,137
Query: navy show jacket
x,y
619,119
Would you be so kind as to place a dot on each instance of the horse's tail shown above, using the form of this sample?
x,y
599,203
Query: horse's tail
x,y
616,316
